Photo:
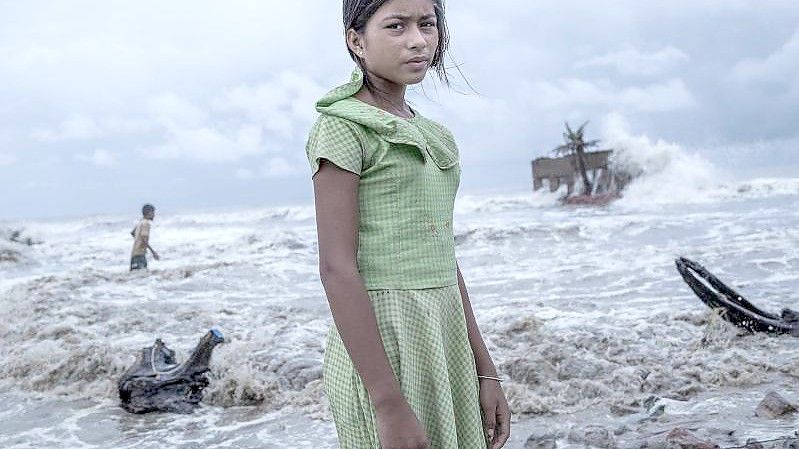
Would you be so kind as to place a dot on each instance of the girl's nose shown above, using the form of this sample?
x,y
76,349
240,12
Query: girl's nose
x,y
416,39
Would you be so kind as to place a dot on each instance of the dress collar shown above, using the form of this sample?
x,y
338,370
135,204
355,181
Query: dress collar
x,y
340,102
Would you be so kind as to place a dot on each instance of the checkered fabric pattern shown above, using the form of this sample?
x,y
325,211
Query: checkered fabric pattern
x,y
425,337
409,176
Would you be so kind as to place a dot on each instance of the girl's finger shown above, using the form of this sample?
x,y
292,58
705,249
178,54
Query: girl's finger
x,y
490,424
503,427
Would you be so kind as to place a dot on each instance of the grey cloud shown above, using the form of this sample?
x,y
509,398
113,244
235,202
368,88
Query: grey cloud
x,y
278,167
76,127
100,158
669,96
200,85
247,120
634,62
283,106
779,69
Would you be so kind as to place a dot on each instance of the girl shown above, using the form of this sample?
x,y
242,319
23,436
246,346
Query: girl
x,y
405,365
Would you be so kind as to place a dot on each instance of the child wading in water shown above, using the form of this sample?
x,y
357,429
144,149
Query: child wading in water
x,y
405,365
141,239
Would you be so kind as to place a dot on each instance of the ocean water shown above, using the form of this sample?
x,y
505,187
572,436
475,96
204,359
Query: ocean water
x,y
582,310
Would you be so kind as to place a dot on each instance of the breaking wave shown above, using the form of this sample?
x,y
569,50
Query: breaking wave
x,y
668,174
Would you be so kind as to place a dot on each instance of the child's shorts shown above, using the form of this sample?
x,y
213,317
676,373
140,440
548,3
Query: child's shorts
x,y
138,263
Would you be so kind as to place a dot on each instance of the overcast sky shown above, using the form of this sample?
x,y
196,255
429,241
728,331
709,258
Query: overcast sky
x,y
206,104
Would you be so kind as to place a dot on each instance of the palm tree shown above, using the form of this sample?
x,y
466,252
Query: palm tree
x,y
575,145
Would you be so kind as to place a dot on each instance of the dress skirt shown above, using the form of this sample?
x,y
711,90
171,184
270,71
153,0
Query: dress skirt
x,y
425,337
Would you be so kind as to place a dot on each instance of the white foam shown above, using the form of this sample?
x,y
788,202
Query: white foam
x,y
580,307
665,173
668,174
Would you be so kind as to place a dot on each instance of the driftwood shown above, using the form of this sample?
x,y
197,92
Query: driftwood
x,y
157,383
734,307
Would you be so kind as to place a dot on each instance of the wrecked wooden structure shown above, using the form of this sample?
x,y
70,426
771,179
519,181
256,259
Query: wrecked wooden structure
x,y
555,172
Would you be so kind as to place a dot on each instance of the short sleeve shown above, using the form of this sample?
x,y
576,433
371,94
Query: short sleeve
x,y
338,141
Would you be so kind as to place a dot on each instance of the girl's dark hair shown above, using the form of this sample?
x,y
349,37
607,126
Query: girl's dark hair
x,y
358,12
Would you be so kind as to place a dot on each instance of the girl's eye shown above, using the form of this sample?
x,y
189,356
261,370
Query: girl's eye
x,y
429,24
394,26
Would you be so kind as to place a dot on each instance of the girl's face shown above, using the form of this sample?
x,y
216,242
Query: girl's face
x,y
399,41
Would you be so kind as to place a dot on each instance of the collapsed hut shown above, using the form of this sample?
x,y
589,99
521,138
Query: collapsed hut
x,y
559,171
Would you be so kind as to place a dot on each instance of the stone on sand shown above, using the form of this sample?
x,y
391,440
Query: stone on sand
x,y
774,406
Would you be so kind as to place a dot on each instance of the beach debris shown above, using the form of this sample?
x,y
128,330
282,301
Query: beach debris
x,y
9,255
620,409
633,417
602,199
13,243
733,307
790,443
774,406
680,438
541,440
157,383
18,236
593,435
655,408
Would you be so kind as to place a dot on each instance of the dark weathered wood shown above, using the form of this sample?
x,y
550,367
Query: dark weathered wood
x,y
734,307
156,383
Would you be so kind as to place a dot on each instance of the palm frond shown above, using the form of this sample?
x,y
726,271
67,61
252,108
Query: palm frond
x,y
591,143
569,129
581,130
564,149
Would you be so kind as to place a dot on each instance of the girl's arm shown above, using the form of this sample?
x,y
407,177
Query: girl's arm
x,y
496,413
336,197
337,210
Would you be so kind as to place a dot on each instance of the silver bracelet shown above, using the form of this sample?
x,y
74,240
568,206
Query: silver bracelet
x,y
489,378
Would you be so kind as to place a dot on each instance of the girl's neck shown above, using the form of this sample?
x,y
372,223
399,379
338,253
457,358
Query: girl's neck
x,y
385,95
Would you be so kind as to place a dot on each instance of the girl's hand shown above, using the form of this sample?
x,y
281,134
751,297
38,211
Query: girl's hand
x,y
496,413
398,427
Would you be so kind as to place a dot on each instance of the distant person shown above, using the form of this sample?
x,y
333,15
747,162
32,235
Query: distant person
x,y
141,239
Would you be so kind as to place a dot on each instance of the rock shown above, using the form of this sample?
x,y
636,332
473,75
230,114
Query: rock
x,y
623,410
679,438
774,406
593,435
789,443
653,443
752,443
541,441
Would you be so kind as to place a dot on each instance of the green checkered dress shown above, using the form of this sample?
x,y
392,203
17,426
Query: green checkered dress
x,y
409,175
